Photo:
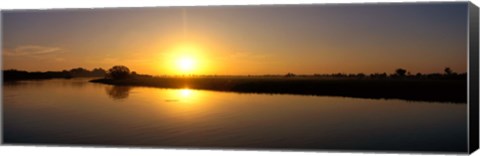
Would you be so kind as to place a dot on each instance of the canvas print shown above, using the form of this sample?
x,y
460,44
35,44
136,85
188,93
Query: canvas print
x,y
356,77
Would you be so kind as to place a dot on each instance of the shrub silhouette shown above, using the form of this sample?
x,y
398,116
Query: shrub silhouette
x,y
400,72
448,71
98,72
77,72
290,75
118,72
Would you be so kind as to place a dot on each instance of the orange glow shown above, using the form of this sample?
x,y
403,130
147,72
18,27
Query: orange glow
x,y
244,41
184,59
185,93
186,64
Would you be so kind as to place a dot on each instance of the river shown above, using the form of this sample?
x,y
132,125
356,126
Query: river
x,y
77,112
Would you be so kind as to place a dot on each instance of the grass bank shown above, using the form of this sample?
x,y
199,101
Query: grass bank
x,y
454,91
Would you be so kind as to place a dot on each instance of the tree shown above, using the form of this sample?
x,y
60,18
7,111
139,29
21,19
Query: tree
x,y
79,72
418,75
400,72
118,72
99,72
361,75
290,75
448,71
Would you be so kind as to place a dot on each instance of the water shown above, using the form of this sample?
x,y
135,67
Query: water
x,y
75,111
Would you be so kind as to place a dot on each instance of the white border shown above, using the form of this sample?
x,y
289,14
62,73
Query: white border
x,y
81,151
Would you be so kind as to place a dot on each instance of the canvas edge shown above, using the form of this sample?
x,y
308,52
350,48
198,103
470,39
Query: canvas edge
x,y
237,5
472,90
473,78
1,77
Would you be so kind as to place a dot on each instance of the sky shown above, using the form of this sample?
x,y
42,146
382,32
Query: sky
x,y
241,40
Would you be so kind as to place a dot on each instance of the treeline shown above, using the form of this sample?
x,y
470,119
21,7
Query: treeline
x,y
446,87
13,74
123,72
398,74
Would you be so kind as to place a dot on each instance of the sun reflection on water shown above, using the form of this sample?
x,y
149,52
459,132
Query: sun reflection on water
x,y
185,93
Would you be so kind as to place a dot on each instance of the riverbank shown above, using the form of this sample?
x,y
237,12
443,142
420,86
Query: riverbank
x,y
453,91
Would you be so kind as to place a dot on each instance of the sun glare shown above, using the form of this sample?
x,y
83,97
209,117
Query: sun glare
x,y
186,64
185,59
185,92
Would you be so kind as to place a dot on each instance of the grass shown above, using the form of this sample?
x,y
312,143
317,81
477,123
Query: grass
x,y
442,90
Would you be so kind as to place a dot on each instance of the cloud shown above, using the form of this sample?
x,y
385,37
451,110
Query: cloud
x,y
31,50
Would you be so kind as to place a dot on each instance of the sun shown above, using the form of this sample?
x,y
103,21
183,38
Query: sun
x,y
186,64
184,60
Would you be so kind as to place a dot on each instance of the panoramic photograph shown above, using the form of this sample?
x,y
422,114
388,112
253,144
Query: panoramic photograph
x,y
355,77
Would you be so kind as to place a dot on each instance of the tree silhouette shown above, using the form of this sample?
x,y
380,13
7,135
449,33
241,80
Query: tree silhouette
x,y
98,72
290,75
400,72
118,72
78,72
448,71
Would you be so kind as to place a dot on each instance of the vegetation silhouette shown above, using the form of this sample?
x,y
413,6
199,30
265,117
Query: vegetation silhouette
x,y
118,72
400,72
448,87
15,75
448,71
